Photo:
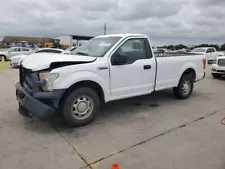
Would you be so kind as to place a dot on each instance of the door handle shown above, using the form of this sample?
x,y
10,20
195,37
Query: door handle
x,y
147,66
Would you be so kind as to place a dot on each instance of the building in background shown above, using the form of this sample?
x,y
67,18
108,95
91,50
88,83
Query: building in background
x,y
73,40
20,41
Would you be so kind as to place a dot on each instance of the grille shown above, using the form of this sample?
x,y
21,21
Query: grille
x,y
221,62
23,74
27,78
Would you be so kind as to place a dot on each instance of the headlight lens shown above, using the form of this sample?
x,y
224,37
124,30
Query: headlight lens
x,y
49,78
214,62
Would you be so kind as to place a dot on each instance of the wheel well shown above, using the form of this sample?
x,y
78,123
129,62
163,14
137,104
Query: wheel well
x,y
93,85
189,72
2,56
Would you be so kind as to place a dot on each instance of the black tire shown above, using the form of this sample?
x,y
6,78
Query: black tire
x,y
3,56
188,80
216,76
69,111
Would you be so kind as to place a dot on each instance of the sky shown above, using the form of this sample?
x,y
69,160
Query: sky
x,y
164,21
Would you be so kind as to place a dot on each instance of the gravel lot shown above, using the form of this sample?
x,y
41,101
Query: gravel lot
x,y
154,131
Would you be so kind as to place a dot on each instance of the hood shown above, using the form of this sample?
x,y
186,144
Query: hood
x,y
40,61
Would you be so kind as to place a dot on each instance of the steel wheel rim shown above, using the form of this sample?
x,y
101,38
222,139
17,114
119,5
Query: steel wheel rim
x,y
82,107
186,87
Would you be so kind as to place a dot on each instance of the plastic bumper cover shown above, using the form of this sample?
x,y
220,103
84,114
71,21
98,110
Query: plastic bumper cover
x,y
33,104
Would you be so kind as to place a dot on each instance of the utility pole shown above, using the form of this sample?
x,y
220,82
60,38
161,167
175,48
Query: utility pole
x,y
105,29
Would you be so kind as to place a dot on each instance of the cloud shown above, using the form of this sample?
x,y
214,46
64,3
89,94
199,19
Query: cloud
x,y
165,21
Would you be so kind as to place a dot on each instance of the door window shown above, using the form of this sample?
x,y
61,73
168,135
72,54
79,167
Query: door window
x,y
26,50
133,49
13,50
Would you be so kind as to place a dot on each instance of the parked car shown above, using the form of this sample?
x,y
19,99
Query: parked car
x,y
106,68
210,53
16,60
10,52
218,67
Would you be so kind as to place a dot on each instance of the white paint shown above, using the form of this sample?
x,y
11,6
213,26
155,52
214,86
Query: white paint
x,y
39,61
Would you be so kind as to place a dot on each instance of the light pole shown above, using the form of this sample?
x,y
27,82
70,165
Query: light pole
x,y
105,29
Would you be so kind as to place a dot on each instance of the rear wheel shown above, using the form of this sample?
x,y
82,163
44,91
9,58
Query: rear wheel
x,y
216,75
185,87
80,107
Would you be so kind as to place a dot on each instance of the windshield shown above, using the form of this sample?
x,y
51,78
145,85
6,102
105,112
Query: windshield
x,y
198,50
96,47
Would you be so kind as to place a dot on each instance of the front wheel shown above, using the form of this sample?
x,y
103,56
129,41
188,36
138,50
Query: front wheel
x,y
185,87
80,107
216,75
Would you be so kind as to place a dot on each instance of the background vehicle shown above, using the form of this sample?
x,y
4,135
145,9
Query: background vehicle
x,y
10,52
54,43
218,67
104,69
16,60
210,53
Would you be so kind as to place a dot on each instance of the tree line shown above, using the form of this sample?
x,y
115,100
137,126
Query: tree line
x,y
181,46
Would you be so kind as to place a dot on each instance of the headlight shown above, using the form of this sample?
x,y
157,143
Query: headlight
x,y
49,78
214,62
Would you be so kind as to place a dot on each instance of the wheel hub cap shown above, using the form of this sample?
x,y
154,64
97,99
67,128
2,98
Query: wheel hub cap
x,y
82,107
186,87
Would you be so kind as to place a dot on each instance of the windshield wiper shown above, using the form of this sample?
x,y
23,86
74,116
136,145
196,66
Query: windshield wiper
x,y
82,53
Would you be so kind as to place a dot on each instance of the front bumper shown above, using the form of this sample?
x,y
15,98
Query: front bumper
x,y
15,63
218,70
42,105
221,72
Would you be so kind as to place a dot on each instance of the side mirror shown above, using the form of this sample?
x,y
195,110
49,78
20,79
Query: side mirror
x,y
120,59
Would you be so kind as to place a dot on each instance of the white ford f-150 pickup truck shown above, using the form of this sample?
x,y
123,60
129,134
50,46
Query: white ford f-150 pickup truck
x,y
106,68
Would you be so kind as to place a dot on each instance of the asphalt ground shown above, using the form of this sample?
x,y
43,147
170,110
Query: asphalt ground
x,y
155,131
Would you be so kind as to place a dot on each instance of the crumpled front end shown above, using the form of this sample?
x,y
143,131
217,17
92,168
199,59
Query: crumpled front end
x,y
32,98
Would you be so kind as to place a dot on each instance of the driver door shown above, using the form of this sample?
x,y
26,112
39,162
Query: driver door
x,y
136,75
